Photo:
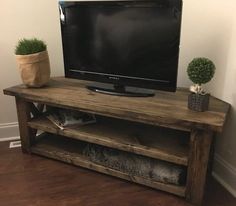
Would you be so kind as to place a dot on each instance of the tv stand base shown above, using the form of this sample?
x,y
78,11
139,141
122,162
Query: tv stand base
x,y
161,128
121,90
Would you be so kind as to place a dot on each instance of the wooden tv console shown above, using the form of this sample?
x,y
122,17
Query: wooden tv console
x,y
149,126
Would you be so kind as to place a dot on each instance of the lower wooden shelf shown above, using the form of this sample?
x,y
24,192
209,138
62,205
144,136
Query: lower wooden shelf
x,y
70,151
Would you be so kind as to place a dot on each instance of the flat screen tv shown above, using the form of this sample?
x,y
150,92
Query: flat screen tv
x,y
128,44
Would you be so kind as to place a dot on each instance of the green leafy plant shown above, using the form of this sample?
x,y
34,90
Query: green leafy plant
x,y
30,46
201,70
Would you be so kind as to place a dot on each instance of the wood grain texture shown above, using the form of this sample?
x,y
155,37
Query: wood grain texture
x,y
200,144
27,134
165,109
70,151
155,142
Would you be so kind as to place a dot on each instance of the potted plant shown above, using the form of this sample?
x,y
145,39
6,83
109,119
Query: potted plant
x,y
32,58
200,71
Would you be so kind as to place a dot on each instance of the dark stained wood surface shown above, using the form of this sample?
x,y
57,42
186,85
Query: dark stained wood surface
x,y
30,180
165,109
165,144
27,134
200,145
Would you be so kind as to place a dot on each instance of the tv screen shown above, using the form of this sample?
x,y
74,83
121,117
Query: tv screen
x,y
131,43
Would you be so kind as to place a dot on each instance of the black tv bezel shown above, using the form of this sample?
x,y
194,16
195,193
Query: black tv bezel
x,y
118,79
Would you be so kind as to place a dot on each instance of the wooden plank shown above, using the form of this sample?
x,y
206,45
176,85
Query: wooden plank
x,y
165,109
70,152
200,144
155,142
27,134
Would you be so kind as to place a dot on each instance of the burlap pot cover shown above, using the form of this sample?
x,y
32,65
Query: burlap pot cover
x,y
34,68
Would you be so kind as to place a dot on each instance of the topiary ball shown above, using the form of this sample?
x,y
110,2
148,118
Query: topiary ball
x,y
201,70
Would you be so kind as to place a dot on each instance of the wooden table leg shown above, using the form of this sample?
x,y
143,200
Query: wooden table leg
x,y
200,144
27,134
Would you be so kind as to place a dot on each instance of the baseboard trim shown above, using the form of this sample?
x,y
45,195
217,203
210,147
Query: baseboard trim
x,y
224,184
9,131
6,139
225,174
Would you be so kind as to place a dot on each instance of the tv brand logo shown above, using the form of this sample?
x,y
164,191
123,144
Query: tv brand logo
x,y
114,78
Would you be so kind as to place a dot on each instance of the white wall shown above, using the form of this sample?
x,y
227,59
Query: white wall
x,y
208,29
19,19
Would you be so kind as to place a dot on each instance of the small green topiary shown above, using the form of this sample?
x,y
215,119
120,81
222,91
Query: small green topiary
x,y
201,70
30,46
